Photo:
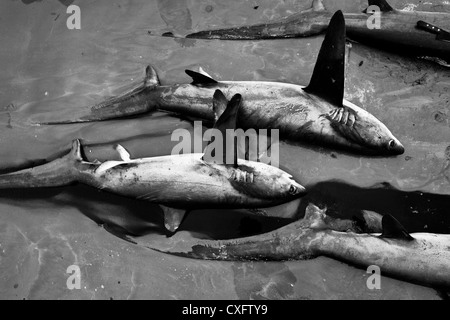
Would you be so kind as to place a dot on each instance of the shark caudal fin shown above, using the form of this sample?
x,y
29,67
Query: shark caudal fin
x,y
59,172
133,102
328,77
393,229
227,120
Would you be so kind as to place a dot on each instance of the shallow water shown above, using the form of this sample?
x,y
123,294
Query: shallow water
x,y
48,71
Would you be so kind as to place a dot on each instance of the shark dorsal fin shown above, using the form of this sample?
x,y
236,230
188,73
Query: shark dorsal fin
x,y
382,4
200,79
393,229
151,77
327,80
227,120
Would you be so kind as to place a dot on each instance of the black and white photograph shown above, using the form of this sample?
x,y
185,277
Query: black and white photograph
x,y
216,152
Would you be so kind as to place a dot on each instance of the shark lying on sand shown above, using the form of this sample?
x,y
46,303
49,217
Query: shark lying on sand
x,y
315,114
178,183
422,258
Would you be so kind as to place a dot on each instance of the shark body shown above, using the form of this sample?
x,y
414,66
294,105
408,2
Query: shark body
x,y
422,258
178,183
316,113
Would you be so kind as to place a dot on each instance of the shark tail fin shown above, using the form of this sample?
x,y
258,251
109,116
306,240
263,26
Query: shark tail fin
x,y
130,103
59,172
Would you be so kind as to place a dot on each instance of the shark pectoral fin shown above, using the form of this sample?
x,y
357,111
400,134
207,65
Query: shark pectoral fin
x,y
151,77
123,153
173,218
393,229
105,166
327,80
200,79
227,120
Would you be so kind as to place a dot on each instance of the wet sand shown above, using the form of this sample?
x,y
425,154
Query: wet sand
x,y
48,71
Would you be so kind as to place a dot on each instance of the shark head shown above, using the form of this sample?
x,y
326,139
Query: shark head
x,y
258,183
362,128
264,182
351,122
375,135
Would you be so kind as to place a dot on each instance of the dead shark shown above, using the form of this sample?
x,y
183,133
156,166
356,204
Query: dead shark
x,y
315,114
400,31
178,183
422,258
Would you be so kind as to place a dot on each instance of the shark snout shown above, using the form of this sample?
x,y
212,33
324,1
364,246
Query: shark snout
x,y
296,189
395,147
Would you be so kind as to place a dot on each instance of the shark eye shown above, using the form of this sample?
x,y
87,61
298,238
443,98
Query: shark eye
x,y
293,189
392,144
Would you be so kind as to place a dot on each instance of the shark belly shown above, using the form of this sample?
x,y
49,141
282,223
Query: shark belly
x,y
183,181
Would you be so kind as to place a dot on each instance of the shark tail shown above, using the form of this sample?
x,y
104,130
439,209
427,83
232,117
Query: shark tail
x,y
59,172
226,250
297,25
133,102
295,241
